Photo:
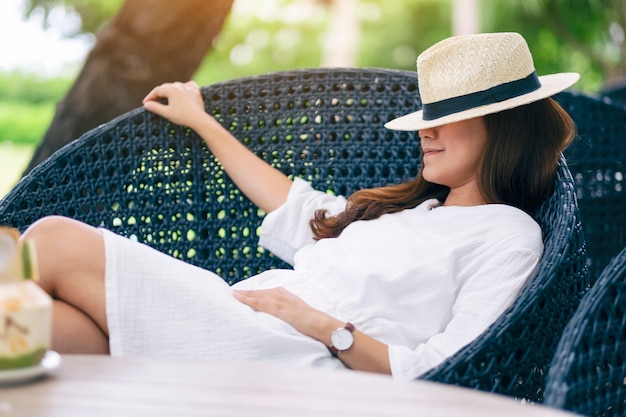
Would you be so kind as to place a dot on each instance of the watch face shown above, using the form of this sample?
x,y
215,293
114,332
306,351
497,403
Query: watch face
x,y
342,339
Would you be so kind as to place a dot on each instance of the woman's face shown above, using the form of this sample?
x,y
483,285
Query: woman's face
x,y
452,153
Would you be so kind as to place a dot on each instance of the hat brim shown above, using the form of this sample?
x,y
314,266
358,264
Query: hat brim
x,y
550,85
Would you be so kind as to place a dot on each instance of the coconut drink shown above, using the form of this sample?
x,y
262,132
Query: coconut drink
x,y
25,309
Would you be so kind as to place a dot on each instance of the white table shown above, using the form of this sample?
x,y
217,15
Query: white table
x,y
92,386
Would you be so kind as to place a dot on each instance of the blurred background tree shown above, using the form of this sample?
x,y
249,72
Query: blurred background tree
x,y
269,35
259,36
146,43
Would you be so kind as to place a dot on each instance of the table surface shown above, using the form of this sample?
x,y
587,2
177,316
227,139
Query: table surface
x,y
131,386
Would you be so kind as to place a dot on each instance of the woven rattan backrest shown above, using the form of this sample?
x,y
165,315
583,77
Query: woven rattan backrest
x,y
588,373
156,182
616,93
597,161
145,178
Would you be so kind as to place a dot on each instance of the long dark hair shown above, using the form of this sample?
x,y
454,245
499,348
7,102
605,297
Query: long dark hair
x,y
518,169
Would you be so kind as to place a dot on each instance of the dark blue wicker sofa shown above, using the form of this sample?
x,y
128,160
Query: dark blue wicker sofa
x,y
588,372
597,161
145,178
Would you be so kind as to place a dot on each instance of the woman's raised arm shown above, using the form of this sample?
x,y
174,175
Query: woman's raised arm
x,y
264,185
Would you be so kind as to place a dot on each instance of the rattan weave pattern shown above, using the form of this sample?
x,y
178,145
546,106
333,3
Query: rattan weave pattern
x,y
588,374
597,161
616,93
143,177
148,179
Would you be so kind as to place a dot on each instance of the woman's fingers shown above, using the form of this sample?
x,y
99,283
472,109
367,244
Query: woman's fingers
x,y
156,93
284,305
267,301
275,301
168,89
180,103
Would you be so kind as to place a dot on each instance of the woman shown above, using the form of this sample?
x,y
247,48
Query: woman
x,y
392,280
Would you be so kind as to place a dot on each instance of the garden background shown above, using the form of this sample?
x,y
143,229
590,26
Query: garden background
x,y
45,42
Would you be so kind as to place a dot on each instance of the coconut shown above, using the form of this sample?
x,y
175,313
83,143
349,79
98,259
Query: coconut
x,y
25,309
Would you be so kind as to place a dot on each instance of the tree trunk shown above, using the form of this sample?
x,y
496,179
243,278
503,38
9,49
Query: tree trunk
x,y
147,43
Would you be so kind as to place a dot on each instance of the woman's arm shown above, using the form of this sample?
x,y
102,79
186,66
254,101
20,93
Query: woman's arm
x,y
366,353
264,185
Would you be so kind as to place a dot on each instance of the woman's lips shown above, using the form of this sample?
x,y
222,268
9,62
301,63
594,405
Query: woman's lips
x,y
429,151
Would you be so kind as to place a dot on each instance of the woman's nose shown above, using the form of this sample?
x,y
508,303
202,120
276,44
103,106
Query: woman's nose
x,y
425,134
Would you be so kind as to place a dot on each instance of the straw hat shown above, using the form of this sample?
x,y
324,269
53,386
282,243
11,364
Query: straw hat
x,y
469,76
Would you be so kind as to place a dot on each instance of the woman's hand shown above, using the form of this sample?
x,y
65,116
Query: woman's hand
x,y
286,306
265,185
367,353
184,103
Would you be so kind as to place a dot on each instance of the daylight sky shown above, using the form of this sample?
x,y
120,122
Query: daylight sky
x,y
24,45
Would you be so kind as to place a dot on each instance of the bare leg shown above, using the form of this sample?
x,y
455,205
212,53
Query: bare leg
x,y
71,266
74,332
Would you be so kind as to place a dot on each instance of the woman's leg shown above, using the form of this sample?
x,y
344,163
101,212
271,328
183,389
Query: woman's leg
x,y
71,269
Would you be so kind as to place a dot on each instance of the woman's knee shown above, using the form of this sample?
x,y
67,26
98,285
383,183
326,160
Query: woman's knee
x,y
71,263
64,247
48,228
58,232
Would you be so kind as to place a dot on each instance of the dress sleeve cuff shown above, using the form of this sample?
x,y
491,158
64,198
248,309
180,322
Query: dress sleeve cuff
x,y
286,230
407,364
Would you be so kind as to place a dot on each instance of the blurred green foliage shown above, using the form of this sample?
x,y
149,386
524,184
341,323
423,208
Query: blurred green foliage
x,y
584,36
271,35
29,88
282,36
24,123
27,104
402,31
292,35
93,13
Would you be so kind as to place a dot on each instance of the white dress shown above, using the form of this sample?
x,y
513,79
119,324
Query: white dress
x,y
426,281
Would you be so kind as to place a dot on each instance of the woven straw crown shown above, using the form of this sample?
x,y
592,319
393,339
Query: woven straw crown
x,y
474,75
464,65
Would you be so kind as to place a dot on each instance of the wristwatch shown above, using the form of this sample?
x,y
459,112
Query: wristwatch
x,y
341,339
